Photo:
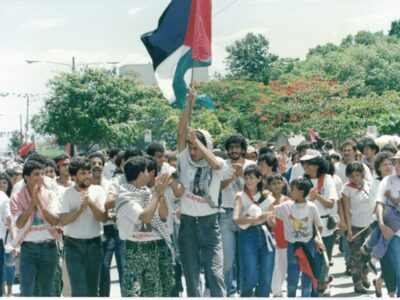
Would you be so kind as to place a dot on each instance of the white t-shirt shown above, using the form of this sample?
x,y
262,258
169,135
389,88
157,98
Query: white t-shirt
x,y
246,202
328,192
297,171
192,204
389,183
85,226
109,170
106,185
229,193
298,220
5,212
361,204
129,225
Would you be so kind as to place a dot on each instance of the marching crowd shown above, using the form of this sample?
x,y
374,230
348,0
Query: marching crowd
x,y
248,219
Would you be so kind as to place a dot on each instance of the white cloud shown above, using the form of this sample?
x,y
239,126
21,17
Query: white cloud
x,y
42,24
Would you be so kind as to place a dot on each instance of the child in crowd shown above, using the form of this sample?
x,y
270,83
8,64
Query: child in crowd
x,y
358,210
300,218
275,185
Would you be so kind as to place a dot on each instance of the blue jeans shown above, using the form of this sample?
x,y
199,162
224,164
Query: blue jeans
x,y
83,258
2,255
38,260
294,271
256,262
201,235
394,250
346,247
111,243
229,232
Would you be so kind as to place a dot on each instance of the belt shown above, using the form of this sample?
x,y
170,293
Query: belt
x,y
227,208
45,243
145,246
96,239
325,216
197,219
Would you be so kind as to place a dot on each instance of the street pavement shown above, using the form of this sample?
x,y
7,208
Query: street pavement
x,y
341,286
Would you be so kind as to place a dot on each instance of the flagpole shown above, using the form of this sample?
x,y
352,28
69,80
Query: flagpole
x,y
190,102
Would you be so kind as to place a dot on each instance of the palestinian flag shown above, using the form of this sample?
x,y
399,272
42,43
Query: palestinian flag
x,y
305,263
181,42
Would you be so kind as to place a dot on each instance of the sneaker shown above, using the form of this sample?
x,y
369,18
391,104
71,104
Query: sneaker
x,y
234,295
360,289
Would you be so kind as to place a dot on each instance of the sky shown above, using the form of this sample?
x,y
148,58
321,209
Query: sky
x,y
96,31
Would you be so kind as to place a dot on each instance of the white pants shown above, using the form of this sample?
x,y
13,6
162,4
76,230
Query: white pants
x,y
280,270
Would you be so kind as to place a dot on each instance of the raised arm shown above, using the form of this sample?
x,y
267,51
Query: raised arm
x,y
183,124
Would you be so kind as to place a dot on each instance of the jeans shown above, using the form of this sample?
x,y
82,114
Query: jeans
x,y
394,250
2,256
83,258
256,262
201,234
293,271
388,274
38,260
346,247
229,232
321,269
111,243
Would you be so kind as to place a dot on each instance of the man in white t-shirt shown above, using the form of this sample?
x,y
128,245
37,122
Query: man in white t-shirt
x,y
34,209
142,223
110,239
201,173
233,182
110,167
82,213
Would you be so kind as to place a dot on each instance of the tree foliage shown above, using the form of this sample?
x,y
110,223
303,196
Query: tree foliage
x,y
249,58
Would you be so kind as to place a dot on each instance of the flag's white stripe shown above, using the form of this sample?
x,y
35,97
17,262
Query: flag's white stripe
x,y
165,73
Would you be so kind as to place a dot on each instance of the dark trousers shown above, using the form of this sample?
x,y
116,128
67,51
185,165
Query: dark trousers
x,y
38,260
111,243
200,236
83,258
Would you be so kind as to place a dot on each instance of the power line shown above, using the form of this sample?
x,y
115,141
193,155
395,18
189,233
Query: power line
x,y
225,7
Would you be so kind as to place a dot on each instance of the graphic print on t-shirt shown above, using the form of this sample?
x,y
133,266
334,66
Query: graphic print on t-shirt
x,y
299,226
38,223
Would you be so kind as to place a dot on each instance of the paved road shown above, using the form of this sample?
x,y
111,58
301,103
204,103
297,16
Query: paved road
x,y
341,285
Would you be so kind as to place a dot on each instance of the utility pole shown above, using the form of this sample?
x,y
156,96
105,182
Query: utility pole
x,y
21,138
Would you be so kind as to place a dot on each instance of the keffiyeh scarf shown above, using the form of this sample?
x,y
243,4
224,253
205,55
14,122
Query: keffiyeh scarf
x,y
144,194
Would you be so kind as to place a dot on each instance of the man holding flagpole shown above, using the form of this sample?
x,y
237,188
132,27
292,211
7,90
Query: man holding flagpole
x,y
201,173
182,42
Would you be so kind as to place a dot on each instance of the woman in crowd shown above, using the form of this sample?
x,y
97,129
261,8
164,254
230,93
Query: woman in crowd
x,y
323,194
253,214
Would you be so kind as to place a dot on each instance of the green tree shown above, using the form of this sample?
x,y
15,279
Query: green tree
x,y
249,58
94,107
395,29
15,140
